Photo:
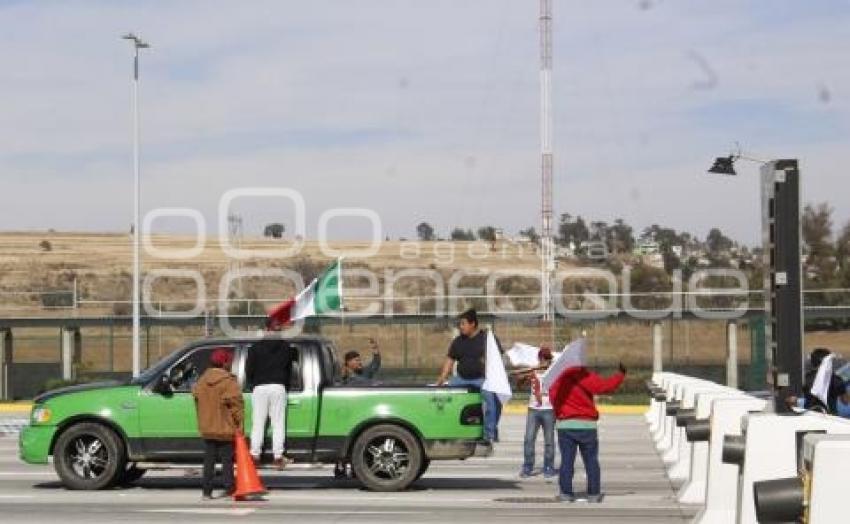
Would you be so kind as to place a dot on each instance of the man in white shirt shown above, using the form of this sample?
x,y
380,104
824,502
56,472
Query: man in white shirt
x,y
540,414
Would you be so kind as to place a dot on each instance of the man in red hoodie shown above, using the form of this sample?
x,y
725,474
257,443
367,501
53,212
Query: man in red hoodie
x,y
576,417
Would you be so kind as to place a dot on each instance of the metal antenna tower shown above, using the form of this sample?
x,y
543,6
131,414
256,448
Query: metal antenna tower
x,y
546,123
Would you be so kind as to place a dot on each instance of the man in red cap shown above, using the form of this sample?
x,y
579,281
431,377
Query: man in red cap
x,y
218,400
539,415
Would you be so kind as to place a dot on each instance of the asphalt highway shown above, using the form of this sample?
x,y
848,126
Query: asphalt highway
x,y
477,490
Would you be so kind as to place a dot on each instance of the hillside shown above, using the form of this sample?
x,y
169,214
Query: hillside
x,y
101,263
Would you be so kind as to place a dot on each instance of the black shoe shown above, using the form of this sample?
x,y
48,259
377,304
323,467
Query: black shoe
x,y
206,496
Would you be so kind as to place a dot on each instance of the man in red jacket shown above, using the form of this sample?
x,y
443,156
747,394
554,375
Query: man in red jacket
x,y
576,418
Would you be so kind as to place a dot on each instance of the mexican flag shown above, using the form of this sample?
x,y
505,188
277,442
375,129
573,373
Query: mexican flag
x,y
322,296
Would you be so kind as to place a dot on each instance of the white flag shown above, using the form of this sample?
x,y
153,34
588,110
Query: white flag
x,y
495,377
572,356
820,387
523,355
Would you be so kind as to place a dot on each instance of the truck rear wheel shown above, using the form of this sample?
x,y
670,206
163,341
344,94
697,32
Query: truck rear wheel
x,y
88,456
386,458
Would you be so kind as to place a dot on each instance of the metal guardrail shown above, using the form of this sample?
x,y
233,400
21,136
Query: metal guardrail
x,y
810,313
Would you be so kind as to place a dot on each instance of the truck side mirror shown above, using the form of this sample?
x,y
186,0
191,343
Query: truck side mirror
x,y
163,384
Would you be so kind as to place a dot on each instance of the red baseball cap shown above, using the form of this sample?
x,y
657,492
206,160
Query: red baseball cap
x,y
221,357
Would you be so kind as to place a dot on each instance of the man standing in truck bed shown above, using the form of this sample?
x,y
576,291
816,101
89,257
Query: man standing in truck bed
x,y
267,372
469,350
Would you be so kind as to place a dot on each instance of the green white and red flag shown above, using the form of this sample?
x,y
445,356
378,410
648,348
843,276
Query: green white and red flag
x,y
321,297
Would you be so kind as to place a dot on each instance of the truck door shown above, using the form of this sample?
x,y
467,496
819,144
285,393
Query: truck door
x,y
168,423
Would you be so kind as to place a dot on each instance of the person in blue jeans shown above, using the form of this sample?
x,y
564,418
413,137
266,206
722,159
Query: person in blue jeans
x,y
540,415
842,403
575,410
468,350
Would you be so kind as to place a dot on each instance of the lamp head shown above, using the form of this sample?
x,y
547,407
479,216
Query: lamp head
x,y
724,165
137,42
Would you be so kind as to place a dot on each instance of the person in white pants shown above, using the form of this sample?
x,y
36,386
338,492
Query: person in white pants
x,y
267,371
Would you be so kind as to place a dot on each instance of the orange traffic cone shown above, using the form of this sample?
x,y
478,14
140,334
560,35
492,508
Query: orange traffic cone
x,y
248,483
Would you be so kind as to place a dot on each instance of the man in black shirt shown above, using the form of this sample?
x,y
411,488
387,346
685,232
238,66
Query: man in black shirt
x,y
267,372
469,351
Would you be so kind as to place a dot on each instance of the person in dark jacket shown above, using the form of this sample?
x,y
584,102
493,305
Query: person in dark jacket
x,y
218,401
576,417
809,401
267,373
354,373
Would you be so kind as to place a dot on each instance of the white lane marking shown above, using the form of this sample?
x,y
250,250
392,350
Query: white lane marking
x,y
203,511
427,496
348,513
7,497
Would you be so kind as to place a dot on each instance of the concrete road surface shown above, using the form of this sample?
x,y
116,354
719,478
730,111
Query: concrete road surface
x,y
477,490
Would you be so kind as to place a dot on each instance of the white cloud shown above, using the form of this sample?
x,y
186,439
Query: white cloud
x,y
422,111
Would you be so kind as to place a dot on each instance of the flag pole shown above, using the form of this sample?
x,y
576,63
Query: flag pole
x,y
339,293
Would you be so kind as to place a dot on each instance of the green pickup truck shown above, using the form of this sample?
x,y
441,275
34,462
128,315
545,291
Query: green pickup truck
x,y
107,434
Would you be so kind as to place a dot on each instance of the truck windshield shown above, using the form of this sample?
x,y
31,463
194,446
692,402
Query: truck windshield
x,y
157,369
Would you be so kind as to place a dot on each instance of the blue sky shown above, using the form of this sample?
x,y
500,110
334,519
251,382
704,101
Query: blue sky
x,y
420,110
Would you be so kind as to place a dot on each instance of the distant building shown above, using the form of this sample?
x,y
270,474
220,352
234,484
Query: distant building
x,y
523,238
655,260
647,247
595,250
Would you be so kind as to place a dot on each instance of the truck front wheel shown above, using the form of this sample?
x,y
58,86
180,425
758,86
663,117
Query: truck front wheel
x,y
88,456
386,458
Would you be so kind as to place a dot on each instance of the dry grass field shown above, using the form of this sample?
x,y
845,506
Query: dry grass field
x,y
100,263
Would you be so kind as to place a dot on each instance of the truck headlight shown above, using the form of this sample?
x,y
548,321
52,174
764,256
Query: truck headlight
x,y
41,415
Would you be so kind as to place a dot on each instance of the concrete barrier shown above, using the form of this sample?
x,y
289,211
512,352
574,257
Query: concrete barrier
x,y
721,486
770,447
697,435
678,457
656,393
665,437
816,495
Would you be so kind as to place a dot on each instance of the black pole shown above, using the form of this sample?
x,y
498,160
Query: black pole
x,y
783,279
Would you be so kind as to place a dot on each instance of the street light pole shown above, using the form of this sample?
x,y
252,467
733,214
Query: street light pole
x,y
783,277
137,44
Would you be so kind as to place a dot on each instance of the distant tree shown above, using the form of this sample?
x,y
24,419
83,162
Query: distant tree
x,y
45,245
821,262
621,238
646,279
531,234
487,233
274,230
574,231
717,242
462,234
842,254
425,231
599,230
